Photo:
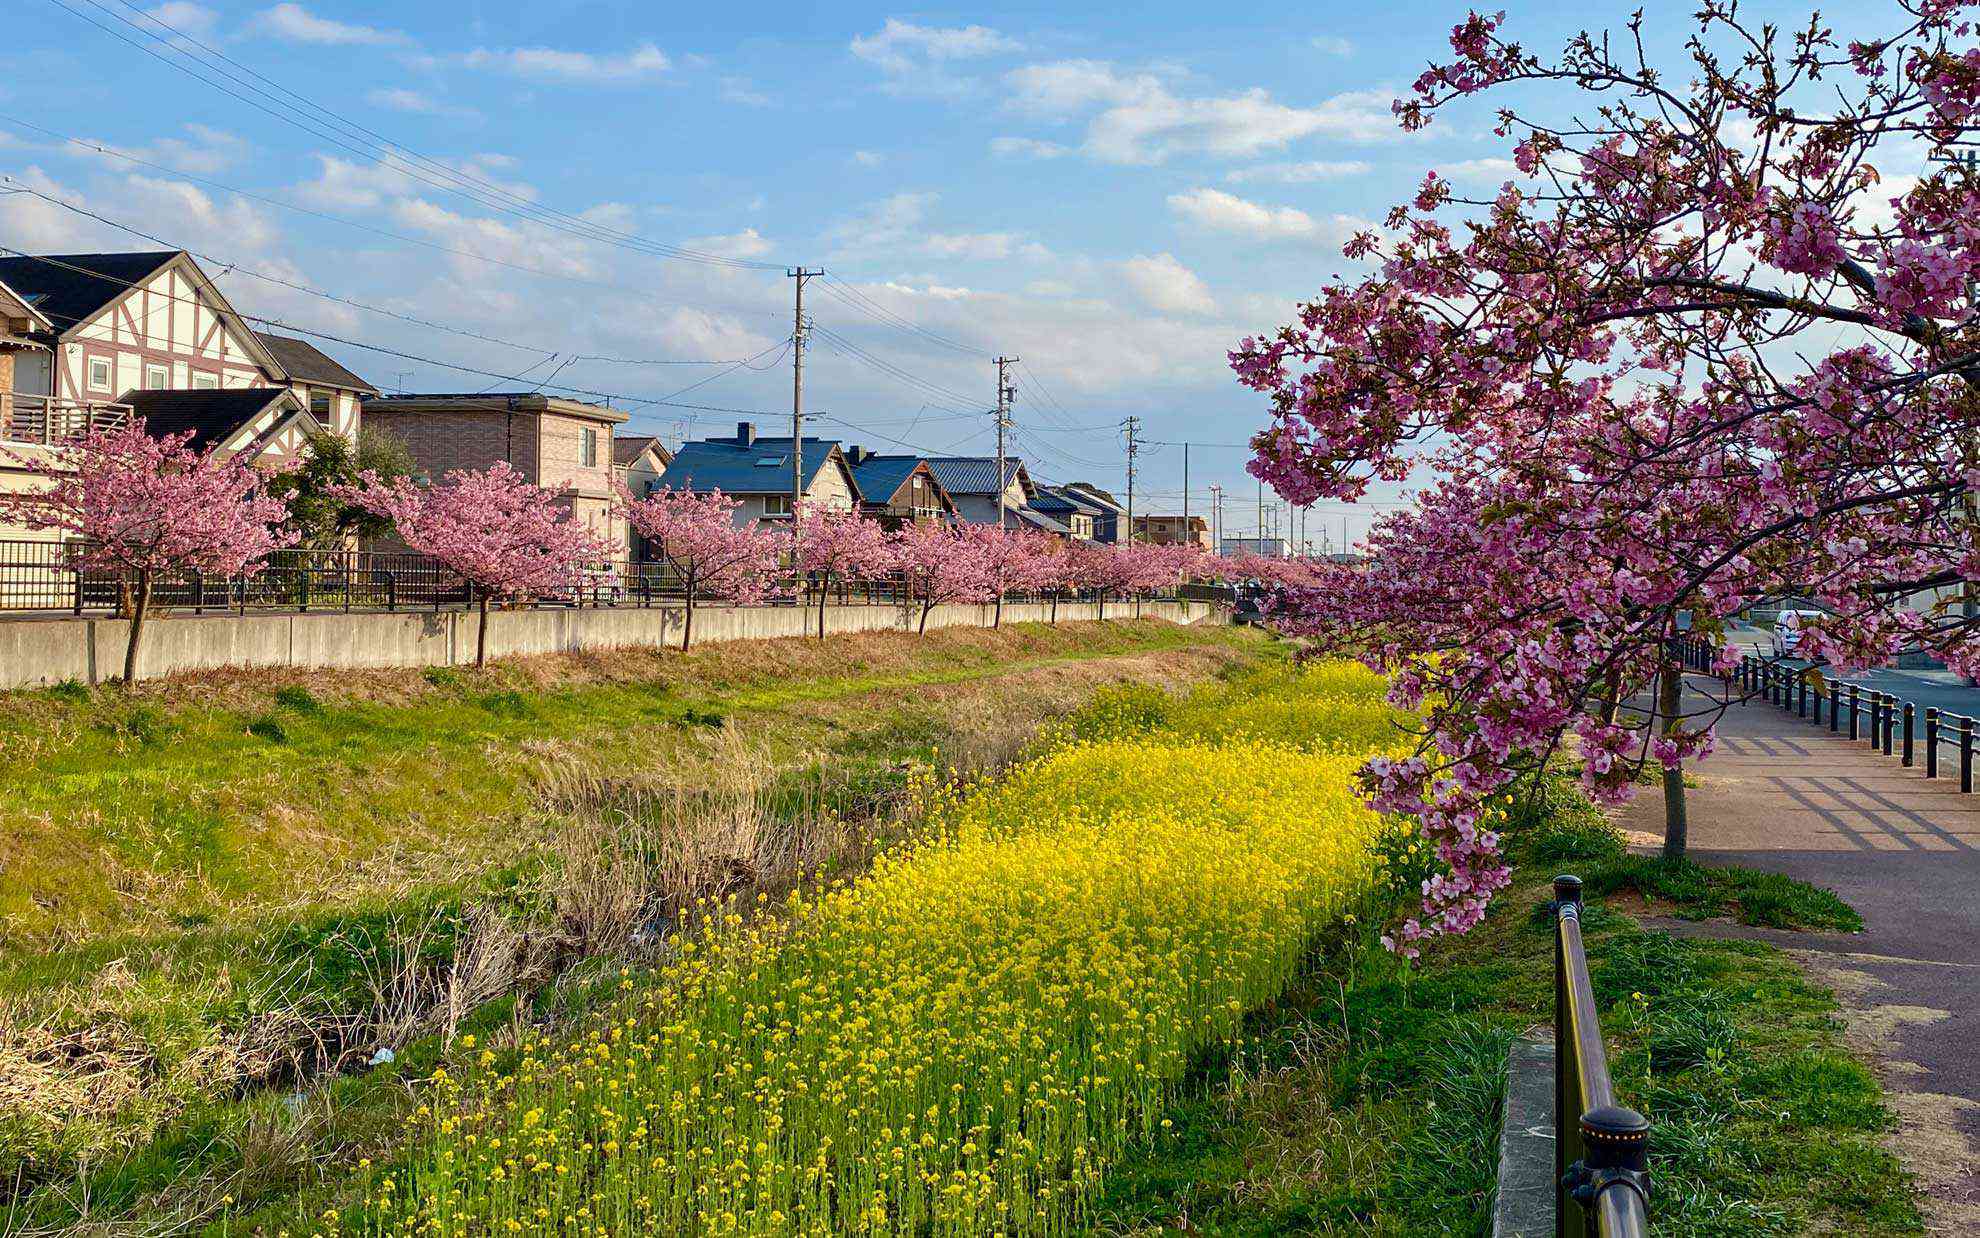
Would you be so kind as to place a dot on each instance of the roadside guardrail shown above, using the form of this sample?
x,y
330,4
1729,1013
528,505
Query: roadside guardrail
x,y
1600,1148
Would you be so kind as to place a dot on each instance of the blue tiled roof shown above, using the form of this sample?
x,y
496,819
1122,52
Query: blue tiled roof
x,y
974,474
1061,502
735,467
880,476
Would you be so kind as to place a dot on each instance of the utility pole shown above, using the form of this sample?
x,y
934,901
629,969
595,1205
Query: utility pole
x,y
1005,394
1187,536
798,328
1133,425
1217,518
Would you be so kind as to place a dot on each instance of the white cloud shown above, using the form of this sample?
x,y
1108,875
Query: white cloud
x,y
1218,211
550,63
1332,44
189,19
749,243
205,150
1027,148
346,184
1301,173
915,58
1491,169
292,23
1167,286
742,90
897,225
400,99
1137,118
868,158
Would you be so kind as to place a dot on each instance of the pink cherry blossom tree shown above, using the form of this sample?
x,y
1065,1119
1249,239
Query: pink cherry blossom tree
x,y
834,547
942,566
1014,561
698,535
1695,351
509,539
150,508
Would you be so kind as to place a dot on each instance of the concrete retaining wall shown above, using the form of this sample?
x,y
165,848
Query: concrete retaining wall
x,y
41,652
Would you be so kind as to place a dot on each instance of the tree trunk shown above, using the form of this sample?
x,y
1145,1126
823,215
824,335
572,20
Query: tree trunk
x,y
687,628
139,605
997,620
1611,697
927,605
481,634
1055,608
824,592
1670,688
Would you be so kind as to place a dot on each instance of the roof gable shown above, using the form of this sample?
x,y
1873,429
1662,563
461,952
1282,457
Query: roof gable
x,y
215,417
977,475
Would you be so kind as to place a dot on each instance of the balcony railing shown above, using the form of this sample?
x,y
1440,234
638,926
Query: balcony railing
x,y
49,421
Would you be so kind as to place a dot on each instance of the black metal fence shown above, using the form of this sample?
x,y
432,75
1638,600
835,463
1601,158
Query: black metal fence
x,y
1600,1148
1890,723
48,577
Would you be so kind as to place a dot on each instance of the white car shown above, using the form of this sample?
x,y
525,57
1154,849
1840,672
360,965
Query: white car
x,y
1787,630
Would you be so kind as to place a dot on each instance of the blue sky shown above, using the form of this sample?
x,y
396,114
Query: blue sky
x,y
1116,197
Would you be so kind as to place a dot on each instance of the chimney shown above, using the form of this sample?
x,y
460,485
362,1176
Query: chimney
x,y
857,454
746,433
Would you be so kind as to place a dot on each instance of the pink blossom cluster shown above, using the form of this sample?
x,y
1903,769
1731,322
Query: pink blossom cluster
x,y
1620,428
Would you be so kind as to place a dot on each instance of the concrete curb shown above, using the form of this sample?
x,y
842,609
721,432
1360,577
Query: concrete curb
x,y
1524,1207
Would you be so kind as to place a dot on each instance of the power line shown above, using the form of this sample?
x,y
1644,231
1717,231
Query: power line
x,y
456,181
113,153
851,295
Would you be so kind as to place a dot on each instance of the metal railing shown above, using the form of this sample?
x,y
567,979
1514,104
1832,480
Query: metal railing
x,y
48,421
49,577
1600,1148
1889,722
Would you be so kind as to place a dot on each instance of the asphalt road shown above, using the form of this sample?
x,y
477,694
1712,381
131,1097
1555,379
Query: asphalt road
x,y
1940,690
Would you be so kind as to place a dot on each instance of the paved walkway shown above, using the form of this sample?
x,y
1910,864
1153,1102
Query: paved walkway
x,y
1784,795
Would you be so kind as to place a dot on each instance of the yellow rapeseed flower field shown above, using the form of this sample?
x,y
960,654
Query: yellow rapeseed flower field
x,y
960,1041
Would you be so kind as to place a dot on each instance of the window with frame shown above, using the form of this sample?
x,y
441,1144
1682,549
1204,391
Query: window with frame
x,y
99,373
776,504
202,381
588,448
157,377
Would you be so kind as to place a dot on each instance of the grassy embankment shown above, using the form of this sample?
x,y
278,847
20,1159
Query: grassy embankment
x,y
1368,1100
223,897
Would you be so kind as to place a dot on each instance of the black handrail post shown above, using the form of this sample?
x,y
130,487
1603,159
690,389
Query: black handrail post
x,y
1890,722
1835,707
1567,1088
1910,715
1966,755
1931,742
1801,683
1854,703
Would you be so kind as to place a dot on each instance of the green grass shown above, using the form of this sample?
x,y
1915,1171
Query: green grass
x,y
207,879
1368,1101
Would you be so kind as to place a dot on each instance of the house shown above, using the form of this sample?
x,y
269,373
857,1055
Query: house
x,y
1110,520
974,485
1070,508
898,490
1172,530
85,335
553,442
638,460
332,394
758,471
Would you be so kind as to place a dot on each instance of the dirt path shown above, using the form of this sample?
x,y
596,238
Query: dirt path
x,y
1784,795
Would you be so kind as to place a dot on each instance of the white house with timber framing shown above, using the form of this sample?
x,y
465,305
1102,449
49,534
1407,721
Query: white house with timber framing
x,y
148,334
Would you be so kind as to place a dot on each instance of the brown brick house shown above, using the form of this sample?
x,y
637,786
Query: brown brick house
x,y
553,442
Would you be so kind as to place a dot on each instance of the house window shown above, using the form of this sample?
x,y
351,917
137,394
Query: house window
x,y
776,504
157,377
588,448
205,382
99,373
319,408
